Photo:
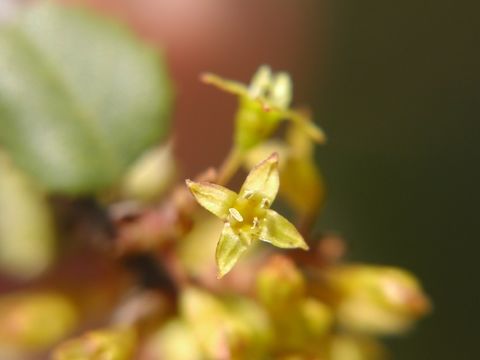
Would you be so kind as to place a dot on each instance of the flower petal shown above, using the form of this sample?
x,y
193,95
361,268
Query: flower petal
x,y
229,249
261,82
213,197
281,94
280,232
263,179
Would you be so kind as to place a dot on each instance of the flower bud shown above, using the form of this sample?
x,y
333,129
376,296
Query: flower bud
x,y
112,344
235,329
35,321
209,322
317,317
253,326
279,284
377,299
151,175
303,327
344,347
254,123
302,183
174,341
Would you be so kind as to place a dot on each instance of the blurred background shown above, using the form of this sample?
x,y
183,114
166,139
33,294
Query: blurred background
x,y
396,86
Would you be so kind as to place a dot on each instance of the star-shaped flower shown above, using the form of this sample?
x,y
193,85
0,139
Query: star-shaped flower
x,y
262,105
247,215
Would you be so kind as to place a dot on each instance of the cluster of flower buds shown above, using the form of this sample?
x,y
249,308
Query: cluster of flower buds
x,y
214,289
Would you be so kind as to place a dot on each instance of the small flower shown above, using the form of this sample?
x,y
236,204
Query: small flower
x,y
247,215
262,105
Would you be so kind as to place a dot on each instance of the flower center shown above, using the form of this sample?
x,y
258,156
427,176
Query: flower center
x,y
247,212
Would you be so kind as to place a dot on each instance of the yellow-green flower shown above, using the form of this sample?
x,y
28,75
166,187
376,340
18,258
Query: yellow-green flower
x,y
262,105
247,215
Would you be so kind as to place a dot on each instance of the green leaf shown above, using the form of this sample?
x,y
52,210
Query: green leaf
x,y
229,249
80,97
213,197
280,232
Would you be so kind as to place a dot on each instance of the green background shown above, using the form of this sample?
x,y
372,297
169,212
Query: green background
x,y
401,107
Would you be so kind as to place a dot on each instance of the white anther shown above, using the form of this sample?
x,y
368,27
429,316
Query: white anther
x,y
235,214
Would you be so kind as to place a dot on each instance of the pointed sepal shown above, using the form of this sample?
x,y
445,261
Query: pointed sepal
x,y
228,86
229,249
213,197
263,179
280,232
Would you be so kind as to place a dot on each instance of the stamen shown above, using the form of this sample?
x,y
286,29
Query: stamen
x,y
265,203
235,214
248,194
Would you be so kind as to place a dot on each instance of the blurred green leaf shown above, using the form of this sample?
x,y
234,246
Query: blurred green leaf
x,y
80,97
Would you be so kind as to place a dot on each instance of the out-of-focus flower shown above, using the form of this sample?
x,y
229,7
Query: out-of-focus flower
x,y
279,284
235,328
35,321
300,321
377,299
347,347
262,105
150,176
111,344
247,215
174,341
316,317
